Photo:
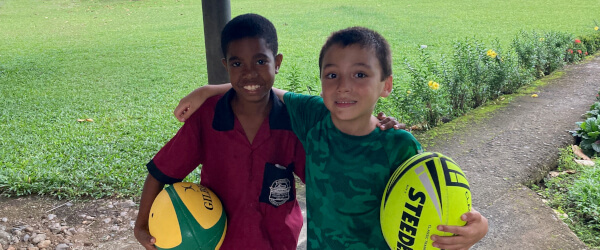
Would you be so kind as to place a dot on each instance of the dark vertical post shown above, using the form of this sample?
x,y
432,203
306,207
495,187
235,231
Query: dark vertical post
x,y
215,13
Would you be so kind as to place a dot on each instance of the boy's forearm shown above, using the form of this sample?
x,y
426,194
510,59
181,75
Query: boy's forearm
x,y
279,93
208,91
152,188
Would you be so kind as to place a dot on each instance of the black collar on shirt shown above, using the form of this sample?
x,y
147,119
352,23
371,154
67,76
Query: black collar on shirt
x,y
223,119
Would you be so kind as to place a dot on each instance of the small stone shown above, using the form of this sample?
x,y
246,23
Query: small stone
x,y
106,221
55,228
44,244
51,216
4,219
4,237
38,238
62,246
127,204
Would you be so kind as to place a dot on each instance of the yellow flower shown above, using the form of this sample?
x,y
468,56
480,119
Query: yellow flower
x,y
434,85
596,28
430,83
492,53
534,95
408,92
541,39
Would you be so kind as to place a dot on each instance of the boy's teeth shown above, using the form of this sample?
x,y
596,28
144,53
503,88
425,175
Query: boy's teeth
x,y
345,102
251,87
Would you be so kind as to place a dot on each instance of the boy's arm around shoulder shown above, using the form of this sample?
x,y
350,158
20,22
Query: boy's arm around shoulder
x,y
190,103
305,111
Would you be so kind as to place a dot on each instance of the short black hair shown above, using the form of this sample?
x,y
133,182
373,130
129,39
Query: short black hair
x,y
366,38
249,25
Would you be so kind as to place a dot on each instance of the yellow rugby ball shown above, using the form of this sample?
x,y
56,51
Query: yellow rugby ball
x,y
187,216
427,190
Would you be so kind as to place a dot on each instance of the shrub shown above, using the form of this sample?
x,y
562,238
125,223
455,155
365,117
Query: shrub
x,y
469,68
425,99
554,46
585,197
543,53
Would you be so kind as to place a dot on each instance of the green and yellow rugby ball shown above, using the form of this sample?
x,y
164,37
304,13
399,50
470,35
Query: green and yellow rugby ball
x,y
187,216
427,190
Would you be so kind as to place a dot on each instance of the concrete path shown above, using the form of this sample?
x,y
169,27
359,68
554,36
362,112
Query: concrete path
x,y
515,145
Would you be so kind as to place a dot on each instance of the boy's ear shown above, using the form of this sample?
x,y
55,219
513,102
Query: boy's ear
x,y
387,87
224,62
278,59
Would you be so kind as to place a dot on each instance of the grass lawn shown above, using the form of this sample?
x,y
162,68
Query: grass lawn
x,y
125,65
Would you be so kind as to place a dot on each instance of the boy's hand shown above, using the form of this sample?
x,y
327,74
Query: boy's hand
x,y
184,109
386,123
144,237
190,103
465,236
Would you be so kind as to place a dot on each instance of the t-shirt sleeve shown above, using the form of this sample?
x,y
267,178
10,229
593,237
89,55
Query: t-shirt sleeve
x,y
402,146
305,111
183,153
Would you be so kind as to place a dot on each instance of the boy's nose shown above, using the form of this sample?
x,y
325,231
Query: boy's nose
x,y
343,85
249,72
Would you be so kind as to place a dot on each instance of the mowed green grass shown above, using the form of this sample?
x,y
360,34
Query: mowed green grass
x,y
126,64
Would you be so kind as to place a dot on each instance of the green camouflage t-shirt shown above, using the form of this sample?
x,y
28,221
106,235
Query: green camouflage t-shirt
x,y
345,175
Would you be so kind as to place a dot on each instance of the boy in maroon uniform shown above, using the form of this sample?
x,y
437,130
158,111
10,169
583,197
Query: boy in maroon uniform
x,y
245,143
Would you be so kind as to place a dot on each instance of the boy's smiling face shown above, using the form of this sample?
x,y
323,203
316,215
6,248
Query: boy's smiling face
x,y
252,68
351,83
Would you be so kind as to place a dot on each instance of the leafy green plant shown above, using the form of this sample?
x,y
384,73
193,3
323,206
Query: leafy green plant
x,y
577,195
543,52
585,197
425,96
589,132
594,110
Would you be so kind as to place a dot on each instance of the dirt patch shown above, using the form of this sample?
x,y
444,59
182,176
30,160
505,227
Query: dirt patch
x,y
44,223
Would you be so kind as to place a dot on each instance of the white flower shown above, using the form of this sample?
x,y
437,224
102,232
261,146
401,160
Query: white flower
x,y
423,46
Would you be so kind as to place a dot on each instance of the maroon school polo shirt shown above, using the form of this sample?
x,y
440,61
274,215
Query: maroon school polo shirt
x,y
255,182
